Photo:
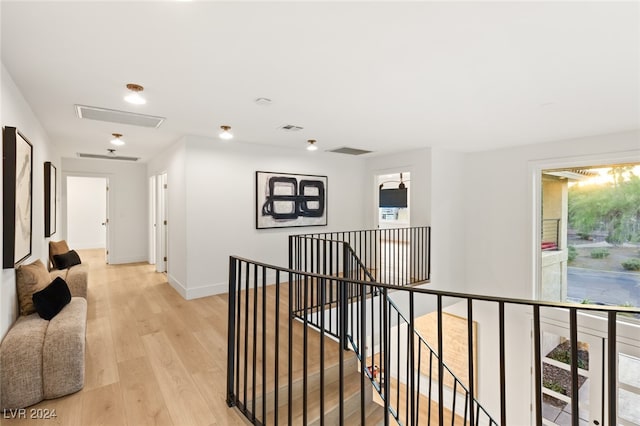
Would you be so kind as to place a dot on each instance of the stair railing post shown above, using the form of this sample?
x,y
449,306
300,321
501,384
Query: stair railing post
x,y
231,332
343,296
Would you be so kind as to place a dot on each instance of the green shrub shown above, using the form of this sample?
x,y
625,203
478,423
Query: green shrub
x,y
599,253
573,254
631,264
556,387
565,357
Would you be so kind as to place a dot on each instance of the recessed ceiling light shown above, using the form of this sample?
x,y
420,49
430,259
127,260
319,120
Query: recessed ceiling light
x,y
134,97
312,146
226,133
263,101
117,139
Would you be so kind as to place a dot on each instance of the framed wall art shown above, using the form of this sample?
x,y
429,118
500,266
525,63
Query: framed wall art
x,y
288,200
50,188
17,187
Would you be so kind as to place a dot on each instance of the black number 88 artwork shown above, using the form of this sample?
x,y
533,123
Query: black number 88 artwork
x,y
288,199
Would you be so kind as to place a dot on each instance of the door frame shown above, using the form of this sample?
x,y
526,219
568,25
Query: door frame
x,y
63,205
376,194
161,229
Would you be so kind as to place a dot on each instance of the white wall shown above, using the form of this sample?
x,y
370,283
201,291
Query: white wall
x,y
220,205
500,195
86,212
448,227
128,211
173,162
15,112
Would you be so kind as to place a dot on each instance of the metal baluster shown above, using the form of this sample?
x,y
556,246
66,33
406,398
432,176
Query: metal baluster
x,y
503,394
277,351
231,331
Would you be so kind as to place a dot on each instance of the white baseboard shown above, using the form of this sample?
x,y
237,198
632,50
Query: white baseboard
x,y
206,290
121,260
86,246
177,285
213,289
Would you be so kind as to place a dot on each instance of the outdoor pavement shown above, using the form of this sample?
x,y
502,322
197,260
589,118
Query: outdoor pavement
x,y
609,288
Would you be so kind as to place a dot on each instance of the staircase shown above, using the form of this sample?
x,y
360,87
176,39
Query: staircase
x,y
328,393
271,389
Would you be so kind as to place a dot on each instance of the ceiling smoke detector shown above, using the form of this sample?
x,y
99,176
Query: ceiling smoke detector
x,y
290,128
263,101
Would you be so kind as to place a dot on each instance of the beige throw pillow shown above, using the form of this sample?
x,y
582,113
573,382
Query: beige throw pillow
x,y
57,247
29,279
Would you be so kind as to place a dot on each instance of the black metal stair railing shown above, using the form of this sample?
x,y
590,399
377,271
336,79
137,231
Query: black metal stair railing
x,y
406,339
399,256
319,253
278,366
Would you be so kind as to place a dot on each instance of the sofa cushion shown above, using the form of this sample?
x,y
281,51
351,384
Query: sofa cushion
x,y
63,351
66,260
21,361
76,278
50,300
30,279
57,247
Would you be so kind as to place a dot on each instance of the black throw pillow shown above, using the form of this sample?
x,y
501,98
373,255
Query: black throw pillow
x,y
67,260
50,300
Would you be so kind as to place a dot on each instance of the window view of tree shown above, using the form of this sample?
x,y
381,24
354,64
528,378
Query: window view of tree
x,y
612,208
603,237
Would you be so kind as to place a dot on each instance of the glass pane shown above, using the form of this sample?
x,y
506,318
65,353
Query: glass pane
x,y
557,378
629,406
629,368
629,401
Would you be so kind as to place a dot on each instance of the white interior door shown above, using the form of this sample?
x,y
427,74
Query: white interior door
x,y
162,228
105,224
153,219
87,206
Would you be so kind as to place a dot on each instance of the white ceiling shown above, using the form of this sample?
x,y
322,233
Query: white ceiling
x,y
371,75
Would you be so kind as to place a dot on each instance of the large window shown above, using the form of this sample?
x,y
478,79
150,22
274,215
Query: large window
x,y
590,235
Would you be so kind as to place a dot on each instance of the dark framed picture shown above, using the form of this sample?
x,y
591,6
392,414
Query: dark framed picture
x,y
286,200
17,186
50,188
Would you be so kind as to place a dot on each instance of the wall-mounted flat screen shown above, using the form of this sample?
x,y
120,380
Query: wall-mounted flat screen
x,y
393,197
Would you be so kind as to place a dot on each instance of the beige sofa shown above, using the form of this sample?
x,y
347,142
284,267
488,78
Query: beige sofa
x,y
42,359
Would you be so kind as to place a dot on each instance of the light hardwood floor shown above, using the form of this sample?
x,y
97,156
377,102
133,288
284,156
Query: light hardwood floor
x,y
152,358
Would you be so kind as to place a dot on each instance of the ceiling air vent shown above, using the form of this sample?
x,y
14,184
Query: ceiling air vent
x,y
115,116
350,151
290,128
107,157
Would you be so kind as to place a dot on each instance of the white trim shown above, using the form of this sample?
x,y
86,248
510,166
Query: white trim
x,y
217,288
207,290
124,260
177,285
